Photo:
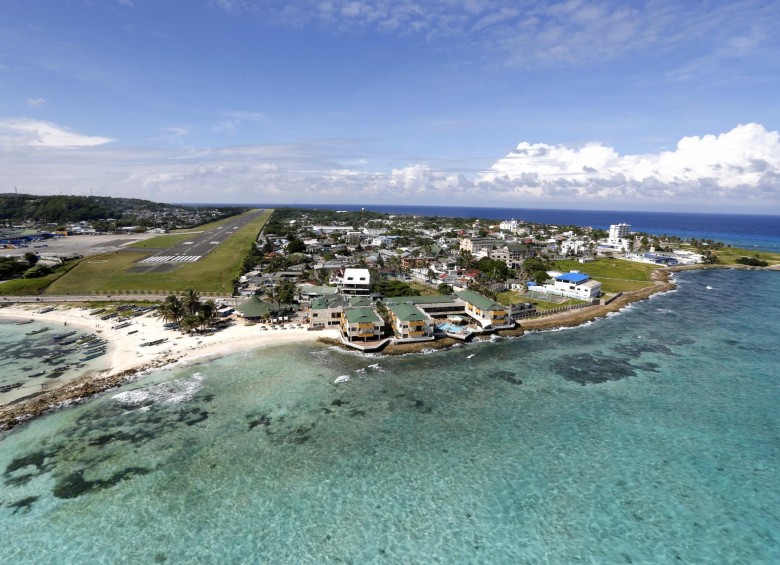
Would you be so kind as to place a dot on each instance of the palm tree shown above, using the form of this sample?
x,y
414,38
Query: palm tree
x,y
191,301
206,314
190,323
172,309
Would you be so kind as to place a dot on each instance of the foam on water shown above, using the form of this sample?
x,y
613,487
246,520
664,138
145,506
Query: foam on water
x,y
592,445
174,392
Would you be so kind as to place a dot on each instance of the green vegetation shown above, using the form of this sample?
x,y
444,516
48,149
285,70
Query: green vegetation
x,y
32,285
188,311
213,273
752,261
615,275
389,287
161,241
510,297
126,211
732,256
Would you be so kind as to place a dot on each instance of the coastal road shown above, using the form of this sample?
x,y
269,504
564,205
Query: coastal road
x,y
194,248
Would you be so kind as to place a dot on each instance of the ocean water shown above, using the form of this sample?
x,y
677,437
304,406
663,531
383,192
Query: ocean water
x,y
651,436
759,232
32,361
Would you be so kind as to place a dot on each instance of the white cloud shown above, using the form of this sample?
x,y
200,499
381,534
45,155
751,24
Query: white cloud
x,y
730,165
235,119
36,133
35,102
739,169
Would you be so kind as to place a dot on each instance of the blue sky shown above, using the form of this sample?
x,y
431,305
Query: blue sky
x,y
619,105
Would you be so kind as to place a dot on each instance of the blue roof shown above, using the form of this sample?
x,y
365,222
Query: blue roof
x,y
572,278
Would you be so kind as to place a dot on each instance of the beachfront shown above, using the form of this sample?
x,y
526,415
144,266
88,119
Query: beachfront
x,y
125,358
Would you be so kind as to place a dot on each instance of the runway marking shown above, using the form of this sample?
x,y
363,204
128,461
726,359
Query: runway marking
x,y
171,259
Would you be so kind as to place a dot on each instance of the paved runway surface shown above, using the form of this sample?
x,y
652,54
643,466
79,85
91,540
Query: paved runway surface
x,y
198,246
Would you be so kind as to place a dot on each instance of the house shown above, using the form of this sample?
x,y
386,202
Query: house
x,y
574,285
309,292
409,323
361,324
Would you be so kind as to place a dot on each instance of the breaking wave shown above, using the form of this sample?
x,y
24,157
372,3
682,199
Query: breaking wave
x,y
173,392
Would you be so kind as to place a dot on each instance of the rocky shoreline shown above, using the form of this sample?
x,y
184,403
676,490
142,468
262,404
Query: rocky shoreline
x,y
83,388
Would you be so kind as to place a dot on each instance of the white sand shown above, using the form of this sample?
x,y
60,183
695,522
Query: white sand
x,y
125,354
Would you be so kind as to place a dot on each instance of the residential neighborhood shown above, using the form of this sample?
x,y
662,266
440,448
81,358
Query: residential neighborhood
x,y
383,278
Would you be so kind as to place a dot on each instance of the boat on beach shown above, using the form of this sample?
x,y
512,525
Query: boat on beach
x,y
22,322
63,335
39,331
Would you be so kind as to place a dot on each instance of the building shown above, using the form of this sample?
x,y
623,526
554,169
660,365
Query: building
x,y
619,231
410,323
509,225
488,313
476,244
574,285
325,311
361,324
355,282
513,254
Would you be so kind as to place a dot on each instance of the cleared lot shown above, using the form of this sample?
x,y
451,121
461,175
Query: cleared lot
x,y
86,245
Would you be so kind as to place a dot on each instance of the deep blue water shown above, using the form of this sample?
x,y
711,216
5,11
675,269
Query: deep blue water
x,y
760,232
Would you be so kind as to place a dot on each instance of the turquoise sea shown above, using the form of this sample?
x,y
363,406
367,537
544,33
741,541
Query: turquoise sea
x,y
652,436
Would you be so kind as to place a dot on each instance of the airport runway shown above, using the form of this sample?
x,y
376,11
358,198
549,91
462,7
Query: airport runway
x,y
193,249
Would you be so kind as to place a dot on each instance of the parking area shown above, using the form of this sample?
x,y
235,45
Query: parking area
x,y
85,245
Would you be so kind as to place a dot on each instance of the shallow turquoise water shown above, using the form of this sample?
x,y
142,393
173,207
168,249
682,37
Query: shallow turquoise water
x,y
651,436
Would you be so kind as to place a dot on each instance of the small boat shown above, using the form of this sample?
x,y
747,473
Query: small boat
x,y
93,356
38,374
10,387
66,334
470,356
342,379
21,322
47,309
120,326
39,331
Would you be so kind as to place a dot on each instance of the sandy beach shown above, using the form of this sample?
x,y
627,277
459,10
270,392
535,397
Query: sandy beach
x,y
126,359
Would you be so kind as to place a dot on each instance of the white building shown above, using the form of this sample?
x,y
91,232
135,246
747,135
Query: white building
x,y
508,225
355,282
618,231
573,285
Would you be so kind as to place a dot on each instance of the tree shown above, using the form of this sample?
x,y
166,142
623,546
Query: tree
x,y
191,301
31,258
206,314
444,288
172,309
296,246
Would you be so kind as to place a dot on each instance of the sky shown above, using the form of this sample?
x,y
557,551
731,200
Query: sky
x,y
643,105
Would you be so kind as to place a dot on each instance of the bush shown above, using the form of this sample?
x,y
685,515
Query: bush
x,y
752,261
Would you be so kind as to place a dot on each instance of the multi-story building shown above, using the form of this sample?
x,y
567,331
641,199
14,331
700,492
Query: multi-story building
x,y
410,323
325,311
355,282
476,244
619,231
361,324
489,313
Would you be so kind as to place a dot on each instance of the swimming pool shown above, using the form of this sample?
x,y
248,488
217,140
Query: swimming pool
x,y
447,327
